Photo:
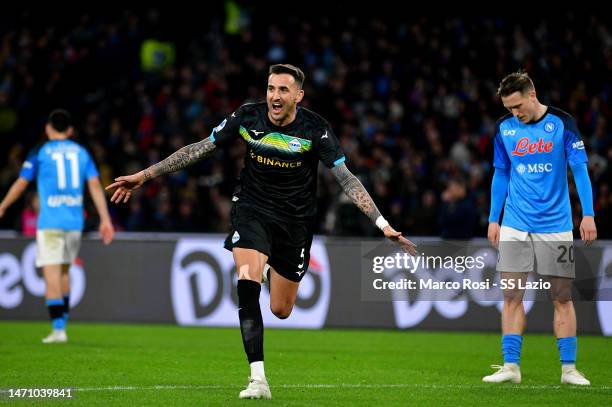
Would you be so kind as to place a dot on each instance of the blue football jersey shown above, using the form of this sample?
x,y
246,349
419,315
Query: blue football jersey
x,y
61,168
537,155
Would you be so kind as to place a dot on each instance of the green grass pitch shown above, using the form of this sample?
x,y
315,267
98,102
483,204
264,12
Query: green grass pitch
x,y
138,365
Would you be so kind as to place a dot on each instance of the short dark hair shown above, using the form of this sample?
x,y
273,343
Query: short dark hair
x,y
292,70
60,120
515,82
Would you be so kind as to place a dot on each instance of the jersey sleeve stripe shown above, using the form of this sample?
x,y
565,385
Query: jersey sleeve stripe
x,y
339,161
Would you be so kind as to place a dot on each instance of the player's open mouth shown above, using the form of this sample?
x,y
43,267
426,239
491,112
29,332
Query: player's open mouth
x,y
277,108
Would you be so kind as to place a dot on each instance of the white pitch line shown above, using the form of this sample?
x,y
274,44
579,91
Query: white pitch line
x,y
338,386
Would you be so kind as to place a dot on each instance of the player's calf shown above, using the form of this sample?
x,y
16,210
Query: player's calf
x,y
283,294
251,323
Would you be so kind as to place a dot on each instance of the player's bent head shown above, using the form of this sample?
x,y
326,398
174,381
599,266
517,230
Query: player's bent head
x,y
292,70
60,120
515,82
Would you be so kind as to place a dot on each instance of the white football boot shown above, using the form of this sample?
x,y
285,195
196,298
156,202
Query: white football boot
x,y
256,389
56,336
509,372
569,375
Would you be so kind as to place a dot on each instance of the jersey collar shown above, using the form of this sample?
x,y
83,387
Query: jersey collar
x,y
541,118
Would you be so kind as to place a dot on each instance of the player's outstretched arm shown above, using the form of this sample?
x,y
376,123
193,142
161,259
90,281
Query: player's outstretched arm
x,y
13,194
180,159
107,231
355,190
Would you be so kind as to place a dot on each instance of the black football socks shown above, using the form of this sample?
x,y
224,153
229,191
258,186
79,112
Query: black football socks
x,y
251,322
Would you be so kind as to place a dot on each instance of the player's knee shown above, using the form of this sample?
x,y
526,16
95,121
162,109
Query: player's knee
x,y
561,291
513,298
246,272
563,304
281,311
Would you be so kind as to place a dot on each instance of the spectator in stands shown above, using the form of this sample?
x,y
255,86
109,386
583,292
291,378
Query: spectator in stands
x,y
458,215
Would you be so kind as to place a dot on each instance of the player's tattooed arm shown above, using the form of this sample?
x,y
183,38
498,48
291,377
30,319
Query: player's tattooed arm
x,y
182,158
355,190
358,194
125,185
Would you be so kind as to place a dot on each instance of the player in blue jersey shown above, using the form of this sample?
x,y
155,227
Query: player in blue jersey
x,y
533,146
61,167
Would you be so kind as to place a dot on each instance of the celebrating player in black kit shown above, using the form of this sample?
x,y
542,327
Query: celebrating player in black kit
x,y
274,205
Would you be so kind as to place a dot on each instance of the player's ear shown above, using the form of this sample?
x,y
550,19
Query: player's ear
x,y
532,94
70,131
300,96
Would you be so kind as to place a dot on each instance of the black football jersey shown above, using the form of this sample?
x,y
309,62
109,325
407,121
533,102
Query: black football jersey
x,y
280,168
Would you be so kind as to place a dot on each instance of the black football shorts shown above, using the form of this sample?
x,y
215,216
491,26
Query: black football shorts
x,y
286,243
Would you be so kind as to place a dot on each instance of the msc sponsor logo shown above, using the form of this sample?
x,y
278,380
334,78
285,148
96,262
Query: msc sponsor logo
x,y
19,276
549,127
274,162
509,132
203,287
534,168
524,147
578,145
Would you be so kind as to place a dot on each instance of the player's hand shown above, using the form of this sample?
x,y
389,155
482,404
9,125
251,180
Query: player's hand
x,y
2,211
125,185
397,237
493,234
588,230
107,231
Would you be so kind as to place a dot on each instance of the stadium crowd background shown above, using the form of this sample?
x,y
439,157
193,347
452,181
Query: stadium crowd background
x,y
412,100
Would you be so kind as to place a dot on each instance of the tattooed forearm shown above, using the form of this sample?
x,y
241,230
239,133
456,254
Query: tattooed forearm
x,y
356,191
180,159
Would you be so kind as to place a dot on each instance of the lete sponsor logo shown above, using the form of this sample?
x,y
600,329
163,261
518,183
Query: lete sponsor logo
x,y
524,147
203,287
18,276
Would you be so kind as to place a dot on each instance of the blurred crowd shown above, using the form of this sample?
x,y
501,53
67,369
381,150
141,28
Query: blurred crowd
x,y
412,100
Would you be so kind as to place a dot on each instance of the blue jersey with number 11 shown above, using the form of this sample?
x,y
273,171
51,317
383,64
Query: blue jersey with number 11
x,y
61,168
